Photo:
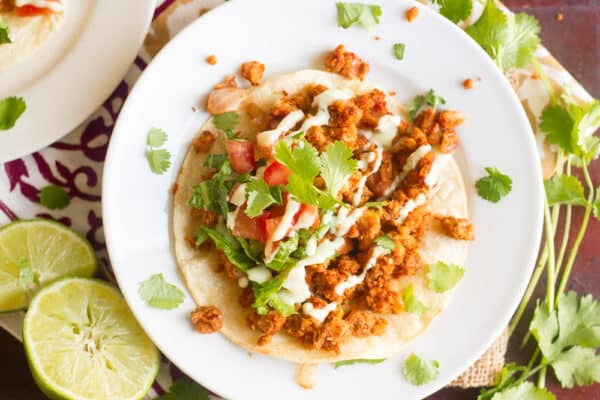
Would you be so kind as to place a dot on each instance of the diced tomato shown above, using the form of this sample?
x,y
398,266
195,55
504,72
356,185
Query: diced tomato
x,y
241,155
31,11
307,216
250,228
276,174
271,225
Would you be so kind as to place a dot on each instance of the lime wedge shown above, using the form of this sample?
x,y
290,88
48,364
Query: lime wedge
x,y
43,251
83,342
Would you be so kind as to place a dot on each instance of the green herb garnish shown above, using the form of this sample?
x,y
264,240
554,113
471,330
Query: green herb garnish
x,y
508,38
158,293
443,277
494,186
54,197
358,361
399,49
419,371
11,108
366,15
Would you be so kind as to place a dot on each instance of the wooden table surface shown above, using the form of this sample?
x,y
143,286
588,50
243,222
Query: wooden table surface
x,y
575,42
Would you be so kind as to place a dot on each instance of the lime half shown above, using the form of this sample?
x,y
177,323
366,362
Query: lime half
x,y
83,342
36,252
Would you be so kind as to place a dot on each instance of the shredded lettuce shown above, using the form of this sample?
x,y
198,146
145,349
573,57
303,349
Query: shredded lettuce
x,y
267,294
229,246
212,193
282,254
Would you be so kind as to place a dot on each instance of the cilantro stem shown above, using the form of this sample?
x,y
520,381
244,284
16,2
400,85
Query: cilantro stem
x,y
551,277
566,232
537,273
542,377
580,234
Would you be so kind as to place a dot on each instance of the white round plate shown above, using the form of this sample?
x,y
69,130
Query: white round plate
x,y
289,36
72,73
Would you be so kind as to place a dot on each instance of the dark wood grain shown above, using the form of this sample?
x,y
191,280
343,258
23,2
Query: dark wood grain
x,y
575,42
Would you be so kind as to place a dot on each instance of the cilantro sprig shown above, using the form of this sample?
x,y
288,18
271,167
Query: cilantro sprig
x,y
455,10
411,303
495,186
510,39
159,159
335,165
423,100
159,293
399,49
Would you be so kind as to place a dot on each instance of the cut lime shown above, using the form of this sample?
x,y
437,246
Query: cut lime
x,y
41,251
83,342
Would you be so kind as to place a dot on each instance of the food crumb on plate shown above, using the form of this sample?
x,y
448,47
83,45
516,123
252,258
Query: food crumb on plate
x,y
468,83
306,375
560,16
377,38
211,59
412,13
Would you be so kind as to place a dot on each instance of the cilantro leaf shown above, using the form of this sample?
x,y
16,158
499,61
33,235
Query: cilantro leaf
x,y
577,366
564,189
508,38
411,303
443,277
337,165
258,197
159,159
366,15
558,125
505,379
303,160
212,193
11,109
303,163
215,160
455,10
156,137
399,49
282,254
54,197
158,293
419,371
494,186
27,276
568,338
228,245
386,242
227,122
185,389
524,391
4,31
358,361
419,102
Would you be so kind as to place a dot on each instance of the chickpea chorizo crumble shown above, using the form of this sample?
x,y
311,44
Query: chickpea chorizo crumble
x,y
321,255
211,59
412,13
